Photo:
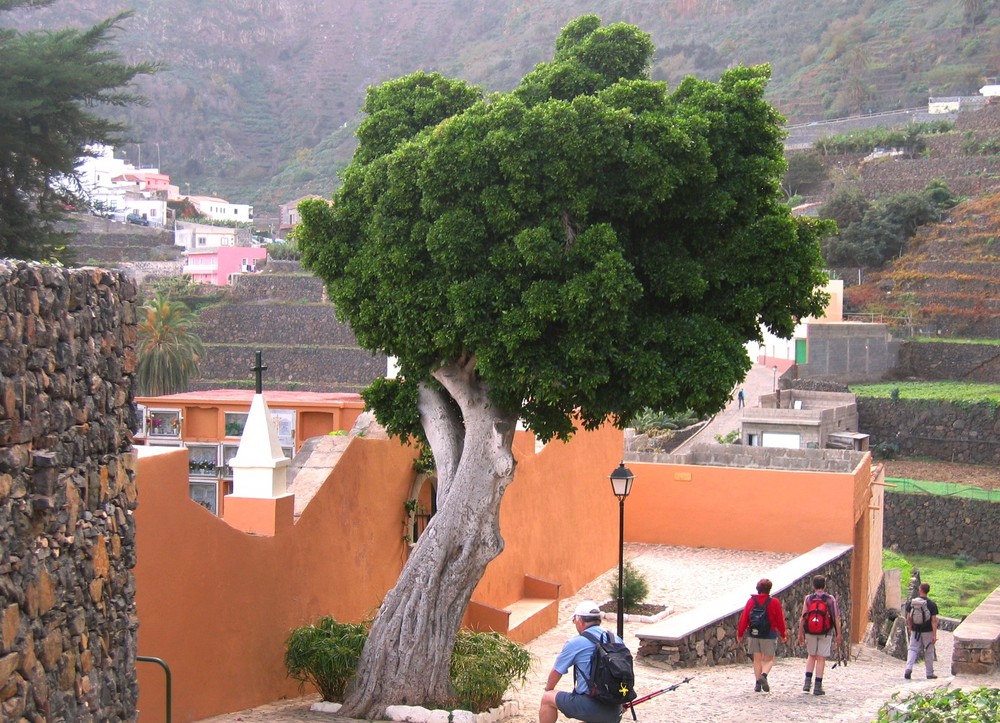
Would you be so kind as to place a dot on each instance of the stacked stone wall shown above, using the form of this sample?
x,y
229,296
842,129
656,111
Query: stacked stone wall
x,y
715,644
67,594
320,369
282,286
282,323
939,430
969,362
942,526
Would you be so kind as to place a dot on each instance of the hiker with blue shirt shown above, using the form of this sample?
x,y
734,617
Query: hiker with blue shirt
x,y
578,652
764,619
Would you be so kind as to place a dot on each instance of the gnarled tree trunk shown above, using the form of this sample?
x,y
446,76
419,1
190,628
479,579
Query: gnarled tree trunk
x,y
407,657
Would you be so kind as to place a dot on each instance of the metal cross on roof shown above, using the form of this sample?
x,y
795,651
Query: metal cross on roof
x,y
259,369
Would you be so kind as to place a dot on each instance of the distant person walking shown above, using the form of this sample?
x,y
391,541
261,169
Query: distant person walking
x,y
819,631
764,619
740,399
922,622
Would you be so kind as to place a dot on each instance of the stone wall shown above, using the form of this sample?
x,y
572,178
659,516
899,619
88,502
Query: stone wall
x,y
939,430
943,360
715,644
942,526
67,594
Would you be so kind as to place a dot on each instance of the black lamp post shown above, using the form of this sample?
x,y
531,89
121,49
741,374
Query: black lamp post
x,y
621,485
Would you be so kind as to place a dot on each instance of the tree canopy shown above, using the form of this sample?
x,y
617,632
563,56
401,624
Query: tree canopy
x,y
578,249
50,86
597,243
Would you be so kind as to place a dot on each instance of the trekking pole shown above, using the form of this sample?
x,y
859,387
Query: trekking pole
x,y
631,706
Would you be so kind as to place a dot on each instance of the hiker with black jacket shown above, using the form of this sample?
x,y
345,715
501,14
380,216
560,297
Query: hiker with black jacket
x,y
818,625
578,652
764,619
922,622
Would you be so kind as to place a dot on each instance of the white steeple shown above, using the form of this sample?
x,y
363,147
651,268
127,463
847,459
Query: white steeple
x,y
260,466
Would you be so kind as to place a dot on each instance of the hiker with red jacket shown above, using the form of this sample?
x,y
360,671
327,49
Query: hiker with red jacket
x,y
819,624
764,619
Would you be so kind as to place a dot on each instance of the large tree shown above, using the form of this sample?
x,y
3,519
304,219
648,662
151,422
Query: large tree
x,y
51,84
570,252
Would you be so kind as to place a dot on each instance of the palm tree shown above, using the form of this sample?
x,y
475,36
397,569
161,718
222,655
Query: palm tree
x,y
168,352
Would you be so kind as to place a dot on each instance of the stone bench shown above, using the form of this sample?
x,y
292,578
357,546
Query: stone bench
x,y
977,639
524,619
706,635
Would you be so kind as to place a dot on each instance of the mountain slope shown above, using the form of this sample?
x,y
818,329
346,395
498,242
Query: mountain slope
x,y
260,96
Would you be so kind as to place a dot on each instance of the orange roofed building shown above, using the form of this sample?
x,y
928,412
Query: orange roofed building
x,y
210,424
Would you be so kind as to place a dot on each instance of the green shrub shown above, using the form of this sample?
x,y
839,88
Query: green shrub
x,y
729,437
325,654
650,421
484,666
634,587
943,706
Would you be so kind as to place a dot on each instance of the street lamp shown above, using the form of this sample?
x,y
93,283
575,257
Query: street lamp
x,y
621,485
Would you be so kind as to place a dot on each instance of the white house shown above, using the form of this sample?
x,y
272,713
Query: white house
x,y
218,209
121,188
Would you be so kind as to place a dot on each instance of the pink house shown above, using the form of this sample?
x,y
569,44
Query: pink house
x,y
218,264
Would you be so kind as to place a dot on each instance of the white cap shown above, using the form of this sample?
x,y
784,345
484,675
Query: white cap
x,y
587,609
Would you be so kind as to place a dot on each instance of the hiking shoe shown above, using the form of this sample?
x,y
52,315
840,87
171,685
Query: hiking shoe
x,y
764,686
929,677
907,674
807,686
756,688
818,690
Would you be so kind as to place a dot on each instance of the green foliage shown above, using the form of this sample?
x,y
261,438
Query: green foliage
x,y
635,588
958,585
946,391
909,138
483,668
168,351
50,86
483,665
595,243
972,146
872,233
979,705
729,437
650,421
804,174
287,251
326,655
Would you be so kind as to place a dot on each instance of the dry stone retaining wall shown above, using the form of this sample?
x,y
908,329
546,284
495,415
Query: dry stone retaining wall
x,y
67,594
970,362
939,430
942,526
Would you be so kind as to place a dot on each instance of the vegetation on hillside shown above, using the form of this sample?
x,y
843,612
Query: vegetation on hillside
x,y
945,391
51,87
259,106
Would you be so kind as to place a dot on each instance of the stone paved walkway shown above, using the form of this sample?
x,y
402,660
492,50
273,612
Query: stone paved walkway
x,y
683,578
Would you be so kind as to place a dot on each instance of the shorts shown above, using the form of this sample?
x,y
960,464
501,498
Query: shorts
x,y
585,708
764,646
820,645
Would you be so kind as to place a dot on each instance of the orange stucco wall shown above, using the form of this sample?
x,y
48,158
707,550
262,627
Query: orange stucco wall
x,y
217,604
741,509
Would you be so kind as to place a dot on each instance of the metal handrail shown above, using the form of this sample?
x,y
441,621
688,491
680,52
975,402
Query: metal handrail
x,y
166,669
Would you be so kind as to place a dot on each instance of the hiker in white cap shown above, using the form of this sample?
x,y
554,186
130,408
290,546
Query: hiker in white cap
x,y
578,652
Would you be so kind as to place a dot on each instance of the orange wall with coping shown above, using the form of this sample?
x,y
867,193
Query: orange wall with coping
x,y
768,510
217,605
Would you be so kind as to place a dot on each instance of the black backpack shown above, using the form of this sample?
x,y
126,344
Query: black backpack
x,y
611,678
760,623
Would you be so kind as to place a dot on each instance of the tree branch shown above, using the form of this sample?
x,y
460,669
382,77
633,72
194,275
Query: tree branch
x,y
445,434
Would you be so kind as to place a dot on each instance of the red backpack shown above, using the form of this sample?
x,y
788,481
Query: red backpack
x,y
818,617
